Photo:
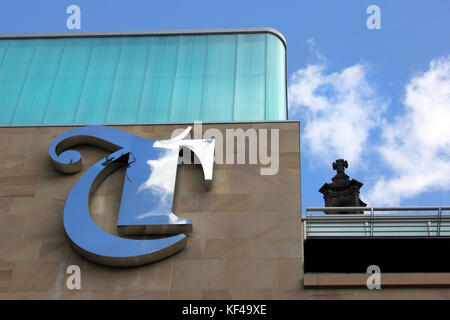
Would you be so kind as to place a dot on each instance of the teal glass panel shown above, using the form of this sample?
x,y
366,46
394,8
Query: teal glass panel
x,y
128,87
189,79
249,99
3,48
99,82
275,79
142,79
218,92
159,80
14,69
69,81
39,82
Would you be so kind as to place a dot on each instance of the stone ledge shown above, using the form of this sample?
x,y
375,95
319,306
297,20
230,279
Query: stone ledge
x,y
349,280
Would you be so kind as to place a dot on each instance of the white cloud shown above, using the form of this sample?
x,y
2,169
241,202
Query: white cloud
x,y
340,109
416,145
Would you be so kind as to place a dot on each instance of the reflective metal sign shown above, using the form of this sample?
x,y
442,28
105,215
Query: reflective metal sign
x,y
147,197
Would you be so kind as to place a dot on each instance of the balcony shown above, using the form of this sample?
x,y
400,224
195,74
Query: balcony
x,y
374,223
397,239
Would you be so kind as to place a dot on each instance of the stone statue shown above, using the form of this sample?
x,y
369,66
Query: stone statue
x,y
342,192
339,165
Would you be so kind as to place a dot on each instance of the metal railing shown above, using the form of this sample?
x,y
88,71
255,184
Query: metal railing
x,y
372,223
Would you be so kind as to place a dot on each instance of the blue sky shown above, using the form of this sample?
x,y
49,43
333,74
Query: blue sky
x,y
390,87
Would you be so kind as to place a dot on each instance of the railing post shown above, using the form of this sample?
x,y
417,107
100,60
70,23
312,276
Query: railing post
x,y
438,233
305,226
371,221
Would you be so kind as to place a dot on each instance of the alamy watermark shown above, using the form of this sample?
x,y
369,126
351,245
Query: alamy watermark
x,y
239,146
74,19
74,280
374,20
374,280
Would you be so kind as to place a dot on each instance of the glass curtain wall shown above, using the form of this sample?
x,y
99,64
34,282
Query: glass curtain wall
x,y
142,79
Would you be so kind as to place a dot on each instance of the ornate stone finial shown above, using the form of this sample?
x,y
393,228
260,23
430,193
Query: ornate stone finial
x,y
342,192
339,165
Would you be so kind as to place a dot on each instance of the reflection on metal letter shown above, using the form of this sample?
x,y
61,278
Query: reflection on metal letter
x,y
147,197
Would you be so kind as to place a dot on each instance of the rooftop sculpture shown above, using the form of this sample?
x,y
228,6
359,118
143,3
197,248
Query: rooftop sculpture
x,y
342,192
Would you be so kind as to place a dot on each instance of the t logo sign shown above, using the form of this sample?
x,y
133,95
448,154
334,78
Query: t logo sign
x,y
147,197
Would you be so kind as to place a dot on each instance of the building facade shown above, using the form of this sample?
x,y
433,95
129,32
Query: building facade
x,y
246,240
